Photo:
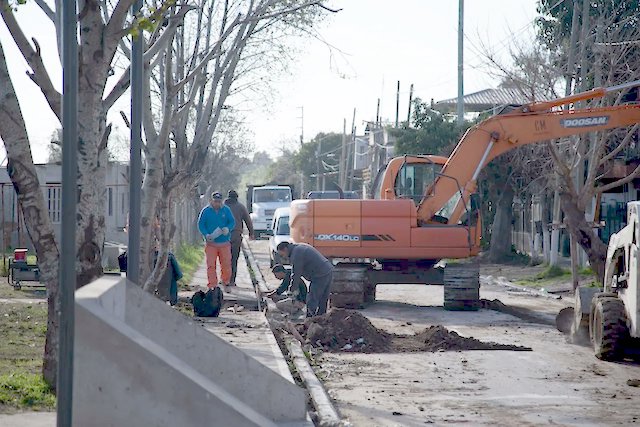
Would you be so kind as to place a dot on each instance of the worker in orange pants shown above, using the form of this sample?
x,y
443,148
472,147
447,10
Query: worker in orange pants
x,y
215,223
213,251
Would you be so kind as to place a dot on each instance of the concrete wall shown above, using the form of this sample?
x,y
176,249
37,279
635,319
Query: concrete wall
x,y
140,362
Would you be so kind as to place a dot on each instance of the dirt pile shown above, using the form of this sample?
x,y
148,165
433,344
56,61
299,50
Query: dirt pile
x,y
346,330
438,337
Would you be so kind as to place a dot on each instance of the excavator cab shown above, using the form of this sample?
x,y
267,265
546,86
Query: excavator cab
x,y
414,178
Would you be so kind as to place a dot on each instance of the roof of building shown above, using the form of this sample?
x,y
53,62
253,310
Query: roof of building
x,y
486,99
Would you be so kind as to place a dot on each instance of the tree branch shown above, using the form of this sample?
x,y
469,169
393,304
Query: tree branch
x,y
161,42
47,10
39,74
618,183
118,17
105,138
127,123
291,10
620,146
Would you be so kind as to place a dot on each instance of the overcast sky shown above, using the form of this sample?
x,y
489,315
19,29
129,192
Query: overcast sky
x,y
377,43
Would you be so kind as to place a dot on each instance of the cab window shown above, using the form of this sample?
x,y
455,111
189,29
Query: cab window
x,y
413,179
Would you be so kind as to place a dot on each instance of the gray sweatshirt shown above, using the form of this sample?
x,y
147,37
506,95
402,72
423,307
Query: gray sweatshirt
x,y
307,262
240,214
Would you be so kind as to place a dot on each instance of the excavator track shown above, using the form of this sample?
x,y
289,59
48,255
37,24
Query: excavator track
x,y
462,286
351,287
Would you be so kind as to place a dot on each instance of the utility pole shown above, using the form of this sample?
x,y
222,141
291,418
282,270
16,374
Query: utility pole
x,y
318,152
460,62
135,157
378,113
67,274
397,103
578,177
301,125
351,150
569,77
409,109
343,154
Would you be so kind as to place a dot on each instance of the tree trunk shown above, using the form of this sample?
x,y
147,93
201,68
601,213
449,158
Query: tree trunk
x,y
500,248
31,199
92,159
167,229
583,233
151,187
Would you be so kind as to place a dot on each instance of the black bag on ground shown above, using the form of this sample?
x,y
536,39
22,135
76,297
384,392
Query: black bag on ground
x,y
122,262
207,304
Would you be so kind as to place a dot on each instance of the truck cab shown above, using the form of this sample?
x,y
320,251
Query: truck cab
x,y
264,200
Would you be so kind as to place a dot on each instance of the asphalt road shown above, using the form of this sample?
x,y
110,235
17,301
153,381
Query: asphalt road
x,y
557,383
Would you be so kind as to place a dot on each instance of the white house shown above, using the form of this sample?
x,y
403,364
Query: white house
x,y
116,204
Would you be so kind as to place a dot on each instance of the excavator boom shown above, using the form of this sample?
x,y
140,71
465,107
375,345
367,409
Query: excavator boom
x,y
499,134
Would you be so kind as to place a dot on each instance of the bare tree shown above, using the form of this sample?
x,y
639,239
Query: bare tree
x,y
608,56
102,25
22,172
223,49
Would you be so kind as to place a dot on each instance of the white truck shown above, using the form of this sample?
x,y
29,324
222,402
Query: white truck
x,y
263,201
612,315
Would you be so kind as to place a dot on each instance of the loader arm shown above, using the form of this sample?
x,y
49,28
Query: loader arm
x,y
449,193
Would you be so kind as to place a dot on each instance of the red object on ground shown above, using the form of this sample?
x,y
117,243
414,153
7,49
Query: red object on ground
x,y
19,254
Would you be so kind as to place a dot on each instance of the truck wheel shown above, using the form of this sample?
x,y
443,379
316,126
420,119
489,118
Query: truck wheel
x,y
462,287
608,330
350,286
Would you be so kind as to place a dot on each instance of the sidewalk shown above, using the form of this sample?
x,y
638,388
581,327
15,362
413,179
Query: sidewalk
x,y
248,330
28,419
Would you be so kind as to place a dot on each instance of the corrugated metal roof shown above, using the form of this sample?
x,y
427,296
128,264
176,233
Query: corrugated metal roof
x,y
486,99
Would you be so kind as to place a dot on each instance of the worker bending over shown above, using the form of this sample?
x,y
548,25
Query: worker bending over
x,y
297,294
307,262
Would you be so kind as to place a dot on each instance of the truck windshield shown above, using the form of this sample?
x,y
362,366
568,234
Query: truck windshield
x,y
283,226
264,195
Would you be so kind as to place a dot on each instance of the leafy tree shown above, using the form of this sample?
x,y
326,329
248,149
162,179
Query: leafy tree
x,y
325,147
431,133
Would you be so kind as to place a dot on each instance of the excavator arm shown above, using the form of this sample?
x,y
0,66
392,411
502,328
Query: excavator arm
x,y
529,124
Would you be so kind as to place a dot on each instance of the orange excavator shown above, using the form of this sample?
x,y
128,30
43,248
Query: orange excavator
x,y
425,207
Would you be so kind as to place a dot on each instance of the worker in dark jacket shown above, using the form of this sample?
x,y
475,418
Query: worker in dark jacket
x,y
241,216
281,273
307,262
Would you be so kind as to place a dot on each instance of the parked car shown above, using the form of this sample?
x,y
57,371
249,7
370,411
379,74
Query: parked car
x,y
280,230
332,194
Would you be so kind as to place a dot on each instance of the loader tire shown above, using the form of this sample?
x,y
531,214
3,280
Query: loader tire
x,y
594,299
609,331
350,287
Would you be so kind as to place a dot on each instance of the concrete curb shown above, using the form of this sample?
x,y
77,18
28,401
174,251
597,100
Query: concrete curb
x,y
259,284
327,413
501,281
